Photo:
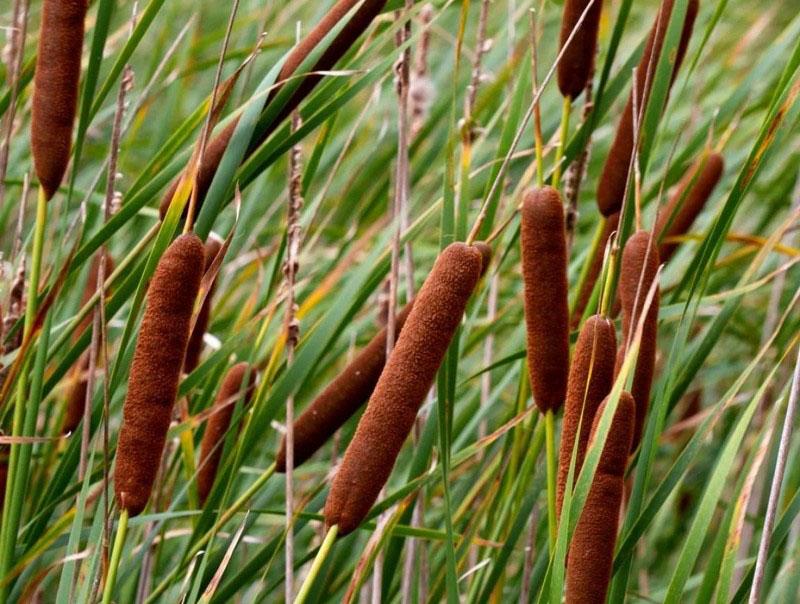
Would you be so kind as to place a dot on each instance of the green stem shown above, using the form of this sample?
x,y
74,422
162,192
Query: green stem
x,y
116,554
316,566
566,109
12,506
550,443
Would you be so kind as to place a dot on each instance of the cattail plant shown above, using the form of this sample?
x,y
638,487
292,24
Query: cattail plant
x,y
687,202
343,397
55,89
218,424
402,387
577,62
544,269
156,370
195,347
614,179
591,551
76,395
347,36
638,271
610,225
590,379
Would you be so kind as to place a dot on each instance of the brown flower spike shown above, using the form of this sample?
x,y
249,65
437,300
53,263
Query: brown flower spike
x,y
218,424
544,270
614,179
577,62
55,89
403,385
195,347
638,271
591,551
590,379
156,371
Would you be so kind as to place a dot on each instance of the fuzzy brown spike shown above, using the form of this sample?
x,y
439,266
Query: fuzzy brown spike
x,y
214,437
688,201
76,394
403,386
486,255
590,379
614,179
591,551
55,89
195,347
577,63
347,36
638,271
585,293
544,269
343,397
156,370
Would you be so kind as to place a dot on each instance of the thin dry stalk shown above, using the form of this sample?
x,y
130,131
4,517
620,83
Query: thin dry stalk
x,y
777,482
577,169
19,28
291,325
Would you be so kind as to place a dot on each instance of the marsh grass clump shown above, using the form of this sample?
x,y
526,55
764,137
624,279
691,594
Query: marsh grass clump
x,y
403,386
156,371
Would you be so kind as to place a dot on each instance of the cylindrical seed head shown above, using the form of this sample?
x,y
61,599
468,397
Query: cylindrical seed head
x,y
218,423
577,61
614,179
403,386
638,270
55,89
591,376
156,370
591,551
544,270
343,397
195,347
688,201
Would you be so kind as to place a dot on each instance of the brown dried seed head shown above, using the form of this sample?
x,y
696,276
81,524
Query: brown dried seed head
x,y
486,255
591,376
343,397
585,293
347,36
156,371
638,271
402,386
688,201
544,269
591,551
614,179
195,347
578,60
55,89
214,437
76,393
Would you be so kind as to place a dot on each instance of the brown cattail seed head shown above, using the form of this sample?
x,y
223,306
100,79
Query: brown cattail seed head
x,y
403,385
341,399
614,179
76,394
55,89
218,424
638,271
352,30
688,201
590,379
595,268
156,371
591,551
577,63
486,255
195,347
544,269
